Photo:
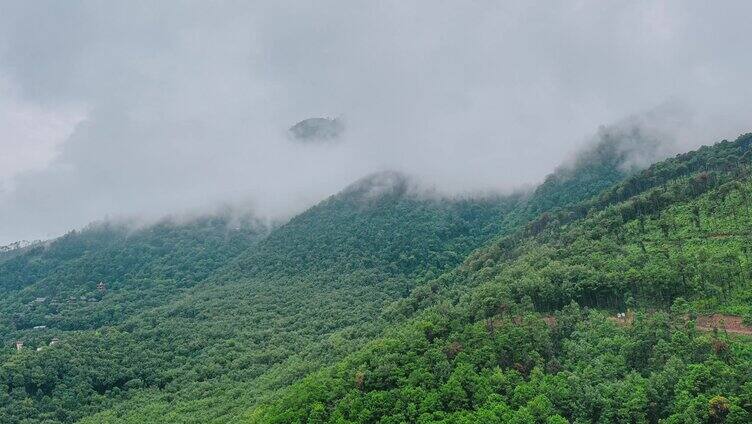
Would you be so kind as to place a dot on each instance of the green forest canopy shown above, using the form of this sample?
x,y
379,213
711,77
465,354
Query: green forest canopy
x,y
401,308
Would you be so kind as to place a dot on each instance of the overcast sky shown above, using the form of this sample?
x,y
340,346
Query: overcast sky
x,y
147,108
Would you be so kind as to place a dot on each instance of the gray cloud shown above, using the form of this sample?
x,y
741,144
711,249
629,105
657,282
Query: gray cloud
x,y
158,107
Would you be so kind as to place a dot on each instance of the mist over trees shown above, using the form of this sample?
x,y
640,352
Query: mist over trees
x,y
383,303
375,212
150,110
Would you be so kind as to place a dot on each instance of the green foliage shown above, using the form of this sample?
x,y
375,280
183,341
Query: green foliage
x,y
215,318
55,285
379,305
477,352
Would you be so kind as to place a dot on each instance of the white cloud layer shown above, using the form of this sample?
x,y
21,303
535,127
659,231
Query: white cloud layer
x,y
146,108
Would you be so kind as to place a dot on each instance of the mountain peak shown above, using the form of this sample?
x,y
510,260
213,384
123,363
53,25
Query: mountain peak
x,y
313,130
378,184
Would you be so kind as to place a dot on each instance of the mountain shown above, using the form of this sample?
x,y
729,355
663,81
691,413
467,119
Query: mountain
x,y
317,129
616,152
56,284
275,309
308,294
79,288
211,321
315,290
523,333
16,248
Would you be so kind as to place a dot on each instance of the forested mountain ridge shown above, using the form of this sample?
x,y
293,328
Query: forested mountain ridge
x,y
55,284
615,153
73,292
366,226
262,303
378,224
359,251
309,293
673,239
16,248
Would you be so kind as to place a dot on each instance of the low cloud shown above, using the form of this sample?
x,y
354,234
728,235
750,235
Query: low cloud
x,y
151,108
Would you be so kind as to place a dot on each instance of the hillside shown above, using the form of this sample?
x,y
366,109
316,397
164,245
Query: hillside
x,y
318,288
51,291
264,212
310,293
220,338
55,284
307,293
668,243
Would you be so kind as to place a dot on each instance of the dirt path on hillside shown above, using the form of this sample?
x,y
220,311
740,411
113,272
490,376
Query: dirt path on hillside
x,y
728,323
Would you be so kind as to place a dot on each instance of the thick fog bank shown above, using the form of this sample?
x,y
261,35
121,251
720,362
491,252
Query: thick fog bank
x,y
154,108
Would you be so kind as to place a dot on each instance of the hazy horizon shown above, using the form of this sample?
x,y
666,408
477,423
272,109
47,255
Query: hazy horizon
x,y
142,109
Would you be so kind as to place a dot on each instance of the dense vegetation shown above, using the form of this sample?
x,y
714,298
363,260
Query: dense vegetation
x,y
50,292
310,293
518,369
180,327
673,238
55,285
383,305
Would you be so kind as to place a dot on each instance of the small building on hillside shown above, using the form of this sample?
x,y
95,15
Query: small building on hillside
x,y
54,341
19,345
40,327
102,286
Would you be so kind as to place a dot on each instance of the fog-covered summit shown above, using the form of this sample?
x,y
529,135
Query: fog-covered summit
x,y
313,130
